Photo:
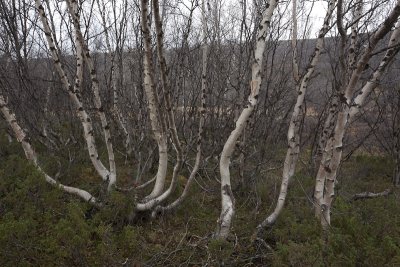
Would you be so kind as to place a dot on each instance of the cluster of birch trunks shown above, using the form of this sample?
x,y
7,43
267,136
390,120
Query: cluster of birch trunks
x,y
346,102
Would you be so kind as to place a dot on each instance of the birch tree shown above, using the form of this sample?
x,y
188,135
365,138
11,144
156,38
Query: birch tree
x,y
31,156
170,119
345,69
202,111
157,121
116,64
227,198
74,91
293,136
326,176
168,122
80,42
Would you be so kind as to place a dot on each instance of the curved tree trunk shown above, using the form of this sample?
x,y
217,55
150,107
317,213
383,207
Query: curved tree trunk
x,y
74,93
74,12
169,111
31,155
347,115
196,166
293,136
157,123
227,199
326,177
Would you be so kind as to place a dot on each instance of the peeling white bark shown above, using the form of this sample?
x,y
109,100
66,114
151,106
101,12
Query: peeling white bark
x,y
329,124
331,118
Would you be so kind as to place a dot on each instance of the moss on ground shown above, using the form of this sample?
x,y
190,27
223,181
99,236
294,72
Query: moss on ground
x,y
42,226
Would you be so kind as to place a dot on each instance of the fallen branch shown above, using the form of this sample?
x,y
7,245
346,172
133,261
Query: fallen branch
x,y
366,195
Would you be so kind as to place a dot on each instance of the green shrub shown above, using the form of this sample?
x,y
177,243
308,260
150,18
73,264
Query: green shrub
x,y
221,250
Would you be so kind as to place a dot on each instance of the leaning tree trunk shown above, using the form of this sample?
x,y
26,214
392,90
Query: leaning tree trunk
x,y
227,201
74,12
31,155
325,141
74,93
116,80
344,71
293,136
326,177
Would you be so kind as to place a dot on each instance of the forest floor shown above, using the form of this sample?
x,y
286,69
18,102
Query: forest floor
x,y
41,226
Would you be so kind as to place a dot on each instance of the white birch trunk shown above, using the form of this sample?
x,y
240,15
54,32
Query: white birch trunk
x,y
74,93
114,81
326,177
329,124
74,12
353,39
227,201
31,155
345,118
352,57
196,166
169,112
45,112
293,136
325,141
376,76
295,63
153,105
